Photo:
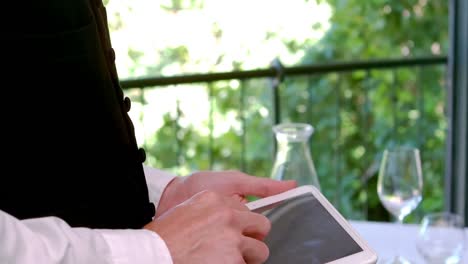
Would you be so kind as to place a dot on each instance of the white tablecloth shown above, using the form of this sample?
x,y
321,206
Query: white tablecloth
x,y
387,238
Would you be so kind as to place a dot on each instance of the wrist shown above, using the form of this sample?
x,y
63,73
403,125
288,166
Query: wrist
x,y
172,195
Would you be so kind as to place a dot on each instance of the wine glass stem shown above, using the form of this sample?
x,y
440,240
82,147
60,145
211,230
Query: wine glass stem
x,y
399,230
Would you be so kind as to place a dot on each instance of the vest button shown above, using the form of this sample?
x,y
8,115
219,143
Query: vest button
x,y
141,155
111,54
127,104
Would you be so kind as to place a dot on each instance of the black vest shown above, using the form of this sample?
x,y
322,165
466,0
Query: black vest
x,y
68,143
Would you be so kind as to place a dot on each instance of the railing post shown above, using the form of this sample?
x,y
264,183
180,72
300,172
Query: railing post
x,y
456,174
178,131
367,145
337,145
211,125
394,98
243,162
275,85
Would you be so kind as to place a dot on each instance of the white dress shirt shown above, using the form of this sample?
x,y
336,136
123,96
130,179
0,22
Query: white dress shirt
x,y
51,240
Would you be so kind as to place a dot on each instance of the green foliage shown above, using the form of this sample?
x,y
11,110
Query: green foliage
x,y
384,107
356,115
178,5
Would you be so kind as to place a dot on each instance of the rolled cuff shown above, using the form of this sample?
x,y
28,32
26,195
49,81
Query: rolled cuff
x,y
136,246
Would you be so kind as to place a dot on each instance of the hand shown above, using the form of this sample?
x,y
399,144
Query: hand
x,y
229,183
212,228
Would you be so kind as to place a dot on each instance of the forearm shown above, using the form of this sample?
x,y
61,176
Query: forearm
x,y
51,240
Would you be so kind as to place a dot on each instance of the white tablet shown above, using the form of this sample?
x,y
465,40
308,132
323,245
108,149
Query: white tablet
x,y
307,229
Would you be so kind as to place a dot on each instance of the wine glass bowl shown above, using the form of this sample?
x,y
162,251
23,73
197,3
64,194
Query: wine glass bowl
x,y
400,184
441,238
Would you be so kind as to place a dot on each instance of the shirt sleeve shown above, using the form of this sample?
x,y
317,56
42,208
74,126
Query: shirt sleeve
x,y
52,240
157,181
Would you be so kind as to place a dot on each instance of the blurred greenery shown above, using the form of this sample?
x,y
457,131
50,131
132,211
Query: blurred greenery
x,y
356,115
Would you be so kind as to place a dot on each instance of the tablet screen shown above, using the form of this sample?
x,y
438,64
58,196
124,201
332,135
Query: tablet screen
x,y
304,232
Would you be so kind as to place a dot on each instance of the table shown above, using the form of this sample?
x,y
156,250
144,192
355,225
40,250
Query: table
x,y
386,238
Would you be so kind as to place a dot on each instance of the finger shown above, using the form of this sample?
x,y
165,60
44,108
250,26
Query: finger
x,y
244,200
235,203
263,187
254,251
240,198
252,224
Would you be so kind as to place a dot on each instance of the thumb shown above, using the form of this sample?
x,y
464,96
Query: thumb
x,y
263,187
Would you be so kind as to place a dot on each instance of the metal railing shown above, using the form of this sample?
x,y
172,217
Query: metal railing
x,y
277,74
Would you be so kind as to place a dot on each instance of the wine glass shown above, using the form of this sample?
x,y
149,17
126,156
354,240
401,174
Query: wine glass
x,y
441,238
400,185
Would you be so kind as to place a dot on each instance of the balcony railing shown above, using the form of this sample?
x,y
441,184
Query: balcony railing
x,y
357,108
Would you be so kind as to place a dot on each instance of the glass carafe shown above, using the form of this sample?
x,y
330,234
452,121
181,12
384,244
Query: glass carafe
x,y
293,160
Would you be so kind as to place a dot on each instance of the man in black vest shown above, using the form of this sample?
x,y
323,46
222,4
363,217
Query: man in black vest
x,y
71,154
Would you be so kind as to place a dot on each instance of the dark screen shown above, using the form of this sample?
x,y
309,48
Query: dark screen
x,y
304,232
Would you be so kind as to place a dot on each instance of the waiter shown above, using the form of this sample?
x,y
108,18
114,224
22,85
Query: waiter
x,y
73,132
72,159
